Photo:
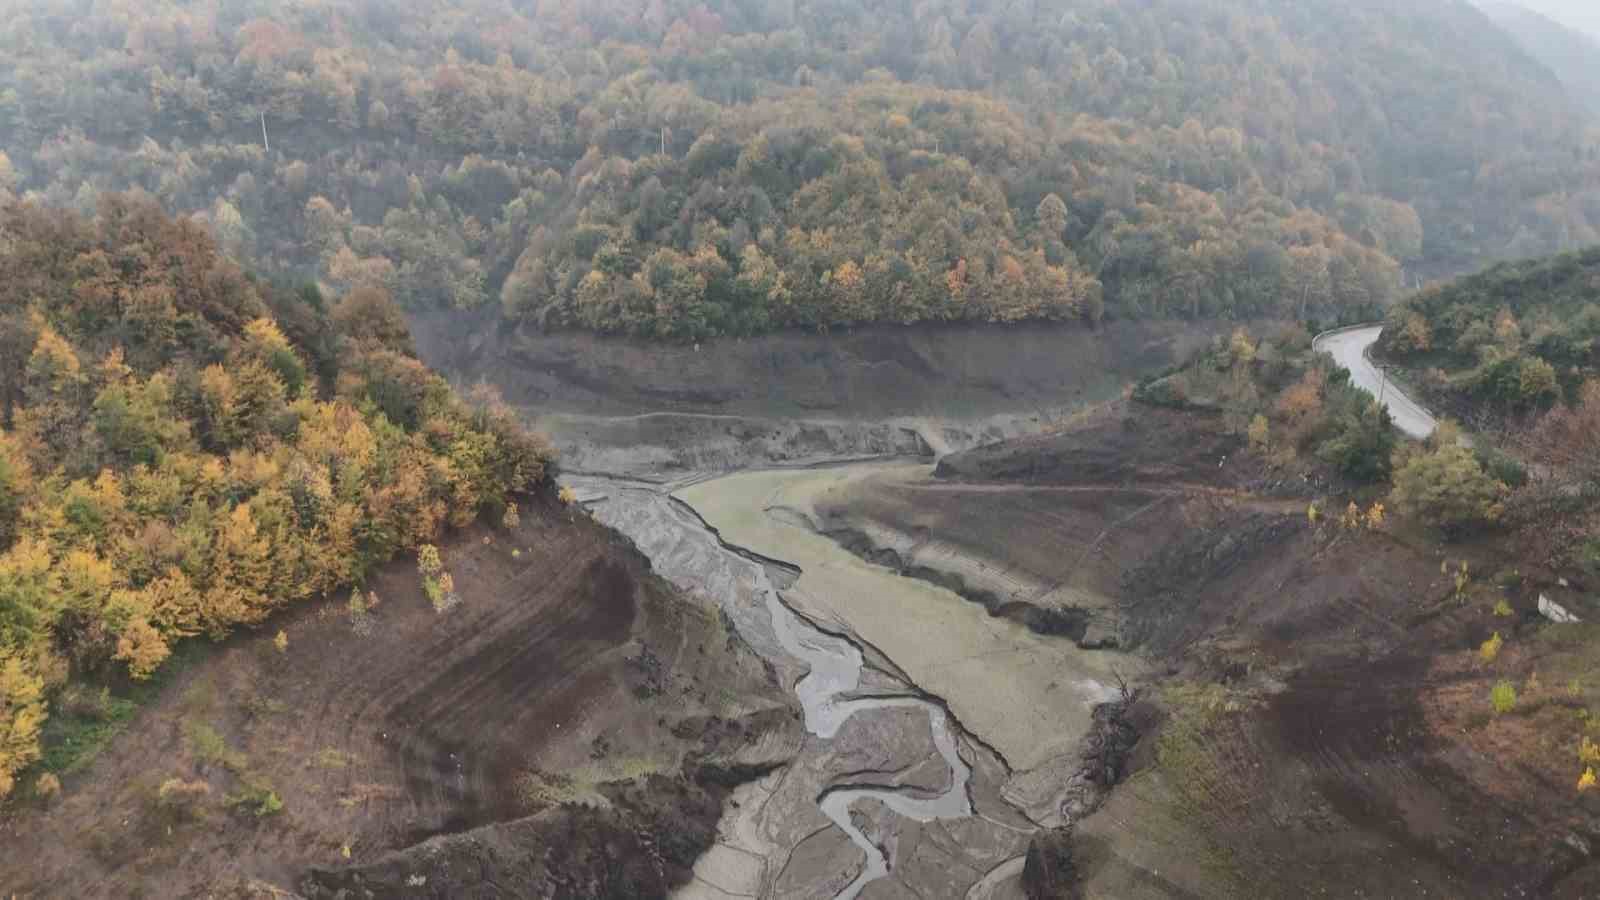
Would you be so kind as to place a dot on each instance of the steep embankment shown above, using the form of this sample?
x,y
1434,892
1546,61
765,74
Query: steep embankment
x,y
1326,717
566,674
615,405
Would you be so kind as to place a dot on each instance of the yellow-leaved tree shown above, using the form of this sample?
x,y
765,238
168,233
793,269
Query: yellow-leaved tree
x,y
22,714
198,476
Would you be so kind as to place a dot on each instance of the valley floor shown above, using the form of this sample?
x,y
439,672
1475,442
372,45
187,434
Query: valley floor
x,y
1104,654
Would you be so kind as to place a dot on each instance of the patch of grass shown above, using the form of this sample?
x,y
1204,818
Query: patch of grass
x,y
536,788
1185,750
261,705
331,758
85,716
73,739
211,747
257,798
182,801
625,768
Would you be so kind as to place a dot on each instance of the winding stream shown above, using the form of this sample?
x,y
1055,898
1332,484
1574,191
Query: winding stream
x,y
685,551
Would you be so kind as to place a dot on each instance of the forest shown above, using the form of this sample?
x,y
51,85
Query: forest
x,y
186,449
684,170
1508,342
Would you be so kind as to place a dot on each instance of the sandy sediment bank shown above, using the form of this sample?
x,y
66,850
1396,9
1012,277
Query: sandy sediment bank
x,y
1029,696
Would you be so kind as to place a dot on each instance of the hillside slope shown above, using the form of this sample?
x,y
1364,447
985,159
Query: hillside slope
x,y
1514,339
685,170
187,450
1573,56
216,675
1322,718
569,674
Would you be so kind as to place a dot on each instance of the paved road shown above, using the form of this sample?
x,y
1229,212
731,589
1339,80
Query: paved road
x,y
1349,349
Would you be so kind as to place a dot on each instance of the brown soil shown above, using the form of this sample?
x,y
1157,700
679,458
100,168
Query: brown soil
x,y
567,674
1155,448
619,406
952,371
1327,725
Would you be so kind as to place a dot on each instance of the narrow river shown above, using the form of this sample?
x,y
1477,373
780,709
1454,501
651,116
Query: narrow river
x,y
685,551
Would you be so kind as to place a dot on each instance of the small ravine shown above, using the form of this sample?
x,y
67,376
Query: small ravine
x,y
685,551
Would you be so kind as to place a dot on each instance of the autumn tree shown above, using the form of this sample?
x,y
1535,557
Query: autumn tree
x,y
1566,441
370,315
1052,217
159,485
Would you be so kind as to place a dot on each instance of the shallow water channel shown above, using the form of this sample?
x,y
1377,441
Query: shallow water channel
x,y
685,551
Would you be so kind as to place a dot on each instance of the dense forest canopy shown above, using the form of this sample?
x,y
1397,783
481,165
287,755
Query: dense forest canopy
x,y
1516,338
184,450
687,169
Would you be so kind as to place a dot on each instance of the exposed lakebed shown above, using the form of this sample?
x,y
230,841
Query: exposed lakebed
x,y
939,738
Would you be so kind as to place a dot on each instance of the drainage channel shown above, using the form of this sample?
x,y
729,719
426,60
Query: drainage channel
x,y
685,551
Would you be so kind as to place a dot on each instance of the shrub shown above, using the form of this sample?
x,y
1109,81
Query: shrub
x,y
182,800
1518,382
48,787
1503,697
1259,433
1360,437
209,746
1415,336
428,561
361,612
1502,467
1491,648
442,593
1446,488
1376,516
1171,392
258,799
270,805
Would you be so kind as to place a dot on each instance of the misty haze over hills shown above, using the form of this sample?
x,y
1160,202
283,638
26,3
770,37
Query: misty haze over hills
x,y
1583,15
1571,54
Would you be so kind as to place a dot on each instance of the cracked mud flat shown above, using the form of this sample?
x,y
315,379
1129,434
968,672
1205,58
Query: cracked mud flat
x,y
917,704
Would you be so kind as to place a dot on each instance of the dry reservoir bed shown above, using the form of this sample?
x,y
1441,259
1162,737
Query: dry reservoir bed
x,y
1029,697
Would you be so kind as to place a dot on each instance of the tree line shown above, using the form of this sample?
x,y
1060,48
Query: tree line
x,y
690,169
1505,343
185,449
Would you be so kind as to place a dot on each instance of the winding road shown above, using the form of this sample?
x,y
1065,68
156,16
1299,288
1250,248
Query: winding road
x,y
1349,348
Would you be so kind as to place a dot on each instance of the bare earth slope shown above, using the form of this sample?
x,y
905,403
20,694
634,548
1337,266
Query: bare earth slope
x,y
1324,718
568,673
622,406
